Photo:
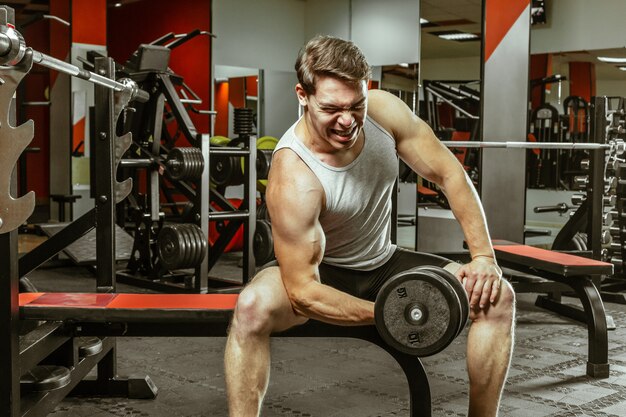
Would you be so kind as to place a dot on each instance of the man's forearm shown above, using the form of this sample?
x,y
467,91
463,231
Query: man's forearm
x,y
324,303
468,210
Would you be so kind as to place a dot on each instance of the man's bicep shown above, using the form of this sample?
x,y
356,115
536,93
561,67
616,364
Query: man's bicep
x,y
294,202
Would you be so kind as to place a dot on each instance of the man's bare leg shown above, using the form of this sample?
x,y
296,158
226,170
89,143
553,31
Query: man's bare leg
x,y
262,308
489,349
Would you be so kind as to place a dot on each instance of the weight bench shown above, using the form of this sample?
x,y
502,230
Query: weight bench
x,y
564,272
190,315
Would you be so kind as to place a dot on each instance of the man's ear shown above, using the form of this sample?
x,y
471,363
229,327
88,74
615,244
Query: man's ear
x,y
301,94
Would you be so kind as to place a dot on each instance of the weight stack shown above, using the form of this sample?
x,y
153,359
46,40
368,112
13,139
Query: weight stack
x,y
243,122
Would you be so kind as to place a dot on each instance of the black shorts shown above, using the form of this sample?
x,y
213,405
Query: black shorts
x,y
366,284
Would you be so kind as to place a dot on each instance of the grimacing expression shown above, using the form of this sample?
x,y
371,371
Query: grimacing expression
x,y
337,111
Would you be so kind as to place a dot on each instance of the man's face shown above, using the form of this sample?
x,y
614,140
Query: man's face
x,y
336,111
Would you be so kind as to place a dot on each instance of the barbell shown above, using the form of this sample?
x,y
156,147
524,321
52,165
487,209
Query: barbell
x,y
617,144
13,50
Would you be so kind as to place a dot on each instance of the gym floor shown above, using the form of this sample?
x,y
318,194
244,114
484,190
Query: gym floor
x,y
346,377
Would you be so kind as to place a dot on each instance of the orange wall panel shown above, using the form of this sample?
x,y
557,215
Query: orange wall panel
x,y
582,79
221,106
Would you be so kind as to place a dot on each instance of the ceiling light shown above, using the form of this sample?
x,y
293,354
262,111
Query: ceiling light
x,y
456,36
118,4
403,65
612,60
423,21
623,68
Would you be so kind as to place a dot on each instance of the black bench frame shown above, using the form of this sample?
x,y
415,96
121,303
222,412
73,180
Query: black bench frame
x,y
68,324
561,279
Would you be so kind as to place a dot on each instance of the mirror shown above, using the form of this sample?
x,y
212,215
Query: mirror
x,y
562,85
235,87
448,87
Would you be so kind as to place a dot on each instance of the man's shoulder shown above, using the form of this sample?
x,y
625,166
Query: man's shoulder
x,y
380,109
288,165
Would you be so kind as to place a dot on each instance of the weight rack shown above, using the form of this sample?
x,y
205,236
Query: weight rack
x,y
148,67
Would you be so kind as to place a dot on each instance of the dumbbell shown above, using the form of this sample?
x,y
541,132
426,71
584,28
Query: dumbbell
x,y
421,311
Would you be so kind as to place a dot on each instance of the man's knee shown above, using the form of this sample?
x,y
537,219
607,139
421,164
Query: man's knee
x,y
504,307
502,312
252,315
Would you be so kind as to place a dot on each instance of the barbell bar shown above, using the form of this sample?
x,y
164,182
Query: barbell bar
x,y
533,145
13,50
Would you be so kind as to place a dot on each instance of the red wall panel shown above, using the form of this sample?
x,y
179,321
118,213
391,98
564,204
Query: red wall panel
x,y
144,21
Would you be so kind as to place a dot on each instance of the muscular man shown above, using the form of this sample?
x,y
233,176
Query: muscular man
x,y
329,196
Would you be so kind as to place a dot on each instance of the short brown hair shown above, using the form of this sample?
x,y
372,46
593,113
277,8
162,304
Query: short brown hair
x,y
330,56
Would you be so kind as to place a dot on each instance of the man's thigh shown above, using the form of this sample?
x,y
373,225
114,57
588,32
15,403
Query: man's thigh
x,y
366,284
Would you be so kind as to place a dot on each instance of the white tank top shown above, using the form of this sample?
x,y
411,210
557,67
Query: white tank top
x,y
357,216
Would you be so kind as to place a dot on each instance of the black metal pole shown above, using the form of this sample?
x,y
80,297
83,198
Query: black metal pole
x,y
596,180
105,202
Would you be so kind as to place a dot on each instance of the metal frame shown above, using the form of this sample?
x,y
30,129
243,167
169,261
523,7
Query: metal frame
x,y
581,280
214,323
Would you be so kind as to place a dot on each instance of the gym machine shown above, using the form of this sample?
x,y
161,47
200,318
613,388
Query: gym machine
x,y
169,252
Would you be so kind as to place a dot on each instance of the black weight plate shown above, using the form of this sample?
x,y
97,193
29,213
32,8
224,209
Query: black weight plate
x,y
170,247
263,243
460,291
187,164
45,378
175,163
263,161
202,241
221,170
262,213
191,253
200,162
89,346
197,251
193,163
441,312
193,230
459,301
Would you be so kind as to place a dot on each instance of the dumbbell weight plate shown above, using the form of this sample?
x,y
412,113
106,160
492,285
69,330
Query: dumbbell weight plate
x,y
170,245
439,305
460,291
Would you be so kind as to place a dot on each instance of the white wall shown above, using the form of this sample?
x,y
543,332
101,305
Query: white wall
x,y
576,25
281,105
388,31
465,68
611,88
327,17
268,34
258,33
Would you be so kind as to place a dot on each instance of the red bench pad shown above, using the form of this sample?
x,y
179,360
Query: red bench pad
x,y
131,301
549,256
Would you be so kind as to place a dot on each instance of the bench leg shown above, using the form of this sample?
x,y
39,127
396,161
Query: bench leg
x,y
594,316
419,388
